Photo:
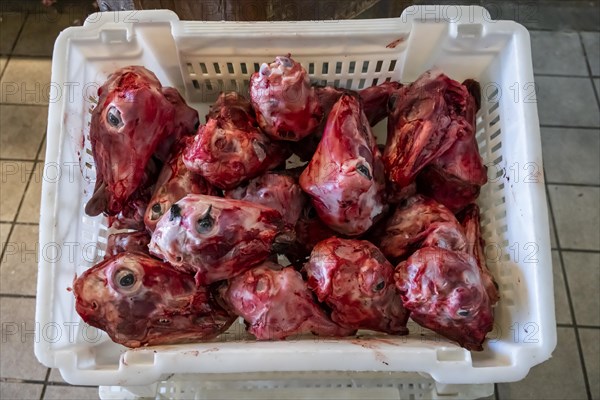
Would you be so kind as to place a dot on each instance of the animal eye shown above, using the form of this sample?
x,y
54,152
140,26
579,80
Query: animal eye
x,y
463,313
175,212
364,171
113,117
125,278
156,211
379,287
205,223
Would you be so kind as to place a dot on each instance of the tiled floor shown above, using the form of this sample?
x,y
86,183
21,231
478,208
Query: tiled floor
x,y
567,64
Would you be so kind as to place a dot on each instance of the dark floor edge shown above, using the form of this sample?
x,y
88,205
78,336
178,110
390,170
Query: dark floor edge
x,y
17,296
592,185
570,250
569,126
561,325
42,382
20,223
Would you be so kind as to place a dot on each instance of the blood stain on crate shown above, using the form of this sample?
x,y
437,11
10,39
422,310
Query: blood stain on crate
x,y
394,43
368,344
210,350
386,341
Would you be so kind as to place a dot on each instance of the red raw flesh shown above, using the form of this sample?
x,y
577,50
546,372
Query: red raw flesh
x,y
276,304
427,117
375,105
231,148
455,178
276,190
217,238
310,230
127,242
131,215
470,221
345,177
356,281
418,222
286,105
174,182
141,301
133,116
444,292
375,100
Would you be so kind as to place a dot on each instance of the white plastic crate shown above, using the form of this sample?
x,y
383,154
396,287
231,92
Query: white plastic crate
x,y
200,58
299,385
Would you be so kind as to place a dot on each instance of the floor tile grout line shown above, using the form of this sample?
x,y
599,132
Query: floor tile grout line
x,y
588,327
41,146
19,380
561,325
45,384
37,156
12,227
560,30
35,56
549,75
41,382
592,185
5,65
570,250
569,126
14,46
51,383
9,56
17,296
589,68
20,223
569,300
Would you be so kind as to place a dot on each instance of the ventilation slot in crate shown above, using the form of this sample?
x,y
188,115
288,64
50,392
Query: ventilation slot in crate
x,y
205,80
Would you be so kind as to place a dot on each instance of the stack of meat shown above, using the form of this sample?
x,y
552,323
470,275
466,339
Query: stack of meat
x,y
371,239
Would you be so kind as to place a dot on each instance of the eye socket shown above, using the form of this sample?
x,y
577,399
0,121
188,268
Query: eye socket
x,y
113,117
125,278
463,313
262,285
260,150
379,287
205,223
265,69
175,212
364,171
156,211
285,61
